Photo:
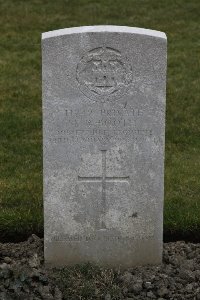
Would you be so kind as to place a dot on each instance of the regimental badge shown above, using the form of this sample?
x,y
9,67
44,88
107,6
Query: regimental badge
x,y
104,74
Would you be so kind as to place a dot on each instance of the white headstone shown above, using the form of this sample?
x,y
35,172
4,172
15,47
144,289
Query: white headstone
x,y
103,136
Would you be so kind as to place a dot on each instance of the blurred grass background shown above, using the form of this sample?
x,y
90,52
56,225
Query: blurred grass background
x,y
21,25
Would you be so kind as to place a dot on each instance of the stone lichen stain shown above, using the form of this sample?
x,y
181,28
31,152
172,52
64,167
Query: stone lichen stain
x,y
134,215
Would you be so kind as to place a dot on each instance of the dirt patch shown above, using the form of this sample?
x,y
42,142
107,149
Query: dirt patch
x,y
23,276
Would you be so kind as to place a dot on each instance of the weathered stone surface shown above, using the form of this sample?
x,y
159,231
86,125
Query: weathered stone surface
x,y
103,132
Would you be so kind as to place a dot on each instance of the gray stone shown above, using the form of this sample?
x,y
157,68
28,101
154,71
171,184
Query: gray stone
x,y
4,266
189,287
148,285
34,261
136,288
107,297
57,294
7,260
162,291
151,295
126,278
103,145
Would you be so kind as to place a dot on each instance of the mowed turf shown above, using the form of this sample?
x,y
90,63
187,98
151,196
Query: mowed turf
x,y
21,25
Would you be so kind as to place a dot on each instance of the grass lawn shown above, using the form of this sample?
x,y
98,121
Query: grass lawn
x,y
22,22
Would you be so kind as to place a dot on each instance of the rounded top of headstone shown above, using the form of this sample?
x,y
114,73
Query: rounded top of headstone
x,y
104,28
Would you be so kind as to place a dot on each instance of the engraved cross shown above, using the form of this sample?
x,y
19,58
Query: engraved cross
x,y
103,180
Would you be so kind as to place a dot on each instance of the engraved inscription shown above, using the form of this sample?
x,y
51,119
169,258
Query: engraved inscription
x,y
101,135
103,180
131,112
89,238
104,74
102,126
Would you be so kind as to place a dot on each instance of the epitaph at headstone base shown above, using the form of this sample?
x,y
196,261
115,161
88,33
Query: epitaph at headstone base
x,y
103,141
